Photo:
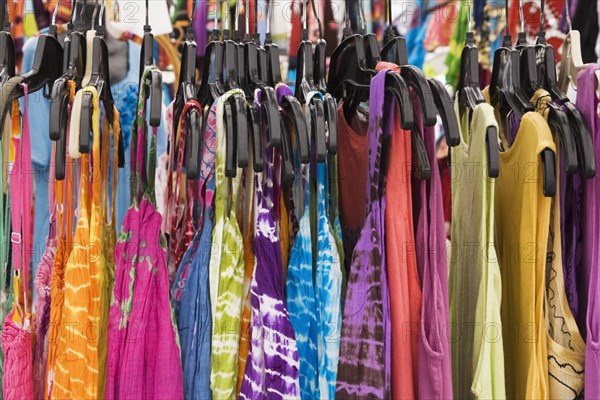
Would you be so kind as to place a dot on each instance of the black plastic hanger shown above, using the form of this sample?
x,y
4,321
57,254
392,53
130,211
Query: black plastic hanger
x,y
530,79
319,73
7,46
154,84
356,93
445,106
581,136
470,95
512,99
46,68
185,93
394,49
74,69
99,79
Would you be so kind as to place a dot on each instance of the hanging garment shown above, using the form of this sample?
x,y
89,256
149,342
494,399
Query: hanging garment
x,y
333,213
179,221
190,292
17,328
143,353
272,365
328,285
77,373
43,279
353,157
226,271
249,261
522,215
65,202
405,286
589,275
6,296
475,284
566,348
401,262
108,212
435,359
300,290
366,311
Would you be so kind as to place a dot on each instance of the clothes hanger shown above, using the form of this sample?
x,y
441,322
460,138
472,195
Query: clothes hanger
x,y
395,51
154,84
46,68
305,89
211,86
546,65
572,60
100,79
291,109
348,67
186,92
319,71
557,119
511,98
371,43
7,46
75,53
237,131
470,95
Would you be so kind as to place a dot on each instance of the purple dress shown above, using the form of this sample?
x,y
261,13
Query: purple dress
x,y
272,368
435,359
588,281
364,365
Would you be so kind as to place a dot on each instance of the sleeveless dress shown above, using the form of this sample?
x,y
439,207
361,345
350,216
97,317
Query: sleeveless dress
x,y
272,370
190,290
143,354
77,370
364,366
328,284
226,271
17,328
301,300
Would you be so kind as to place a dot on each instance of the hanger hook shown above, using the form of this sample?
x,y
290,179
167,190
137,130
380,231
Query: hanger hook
x,y
469,11
389,12
237,16
227,21
94,15
191,12
568,15
361,16
314,9
268,16
521,16
542,16
102,11
53,14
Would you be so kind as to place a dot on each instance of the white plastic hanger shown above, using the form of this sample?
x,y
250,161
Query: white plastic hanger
x,y
572,61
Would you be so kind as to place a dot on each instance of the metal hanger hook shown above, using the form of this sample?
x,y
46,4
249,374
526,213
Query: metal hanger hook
x,y
237,16
314,9
94,15
521,16
102,11
191,12
469,12
54,14
568,15
542,16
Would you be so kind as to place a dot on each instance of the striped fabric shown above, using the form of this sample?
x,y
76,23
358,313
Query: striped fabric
x,y
328,292
301,300
228,263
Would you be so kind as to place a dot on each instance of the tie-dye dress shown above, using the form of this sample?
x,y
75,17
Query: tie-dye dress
x,y
272,370
364,366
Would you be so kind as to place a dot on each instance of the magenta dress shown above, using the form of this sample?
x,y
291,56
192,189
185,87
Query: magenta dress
x,y
143,347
